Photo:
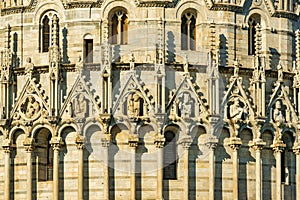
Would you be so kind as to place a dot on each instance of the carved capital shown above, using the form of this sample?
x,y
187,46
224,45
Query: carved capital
x,y
105,120
185,142
29,144
105,141
56,143
234,143
6,145
80,142
278,146
211,142
257,144
159,141
133,140
296,148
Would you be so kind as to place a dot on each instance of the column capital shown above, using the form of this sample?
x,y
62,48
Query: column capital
x,y
105,141
234,143
6,145
29,144
133,140
185,141
257,144
211,142
296,148
278,146
80,142
56,143
159,141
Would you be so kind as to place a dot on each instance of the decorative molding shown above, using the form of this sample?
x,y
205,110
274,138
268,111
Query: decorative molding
x,y
156,3
83,4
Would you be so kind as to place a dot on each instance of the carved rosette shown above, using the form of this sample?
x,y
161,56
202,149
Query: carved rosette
x,y
30,108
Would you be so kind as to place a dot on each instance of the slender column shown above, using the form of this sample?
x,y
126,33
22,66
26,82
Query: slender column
x,y
235,144
186,142
29,147
133,143
297,152
56,144
212,144
105,144
159,143
278,147
119,15
80,146
257,145
6,149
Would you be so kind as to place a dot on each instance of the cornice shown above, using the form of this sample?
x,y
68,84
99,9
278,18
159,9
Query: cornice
x,y
19,9
285,14
226,7
83,4
156,3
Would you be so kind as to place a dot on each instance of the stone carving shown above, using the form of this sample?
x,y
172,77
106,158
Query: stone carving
x,y
236,112
186,106
278,116
134,105
280,72
80,106
30,107
29,67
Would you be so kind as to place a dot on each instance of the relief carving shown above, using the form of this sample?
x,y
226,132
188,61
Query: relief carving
x,y
278,116
134,105
186,106
80,106
30,107
237,111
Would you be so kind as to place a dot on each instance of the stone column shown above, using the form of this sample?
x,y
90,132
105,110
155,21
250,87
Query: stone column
x,y
296,150
278,147
185,142
56,143
159,143
235,144
105,142
6,148
257,145
133,143
80,146
29,147
211,143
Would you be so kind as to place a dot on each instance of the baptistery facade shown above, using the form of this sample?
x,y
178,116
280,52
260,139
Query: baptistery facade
x,y
149,99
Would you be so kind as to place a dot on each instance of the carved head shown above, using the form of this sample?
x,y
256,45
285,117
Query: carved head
x,y
278,104
28,59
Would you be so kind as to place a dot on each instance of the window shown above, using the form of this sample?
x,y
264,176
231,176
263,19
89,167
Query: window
x,y
170,156
119,27
253,21
88,50
49,31
188,31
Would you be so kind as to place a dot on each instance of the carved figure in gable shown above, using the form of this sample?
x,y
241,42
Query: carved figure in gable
x,y
30,107
235,110
134,105
185,106
278,116
80,106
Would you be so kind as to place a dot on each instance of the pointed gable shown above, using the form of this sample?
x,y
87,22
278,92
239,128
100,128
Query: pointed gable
x,y
31,103
80,103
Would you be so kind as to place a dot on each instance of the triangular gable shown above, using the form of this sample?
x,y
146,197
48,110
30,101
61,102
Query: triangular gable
x,y
80,102
280,94
190,100
236,89
131,86
31,103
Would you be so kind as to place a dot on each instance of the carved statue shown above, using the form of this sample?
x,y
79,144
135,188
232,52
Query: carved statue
x,y
79,63
134,105
236,68
278,116
32,108
235,111
280,72
185,106
29,66
80,106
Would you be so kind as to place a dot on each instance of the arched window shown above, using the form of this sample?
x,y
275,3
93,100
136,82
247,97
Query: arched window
x,y
170,156
287,159
119,27
188,31
253,21
49,31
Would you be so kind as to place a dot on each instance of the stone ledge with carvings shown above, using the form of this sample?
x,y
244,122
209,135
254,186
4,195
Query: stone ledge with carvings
x,y
211,142
257,144
278,146
29,144
6,145
155,3
185,141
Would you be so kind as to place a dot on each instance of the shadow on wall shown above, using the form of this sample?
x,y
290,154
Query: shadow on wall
x,y
274,58
223,50
15,58
171,47
65,58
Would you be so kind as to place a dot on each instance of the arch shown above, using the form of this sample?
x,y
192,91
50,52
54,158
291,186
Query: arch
x,y
188,29
45,6
265,19
14,129
36,128
63,126
91,124
188,5
113,5
88,36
